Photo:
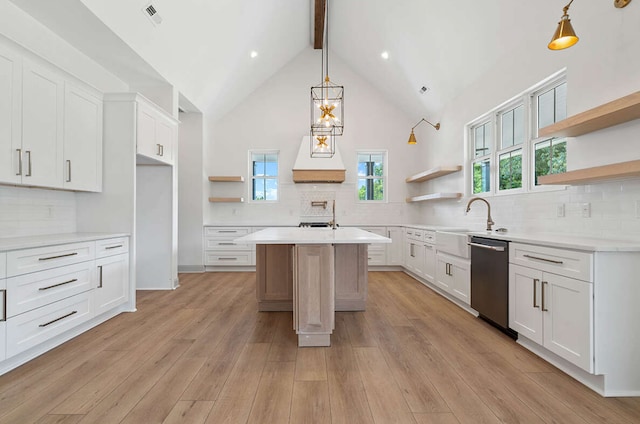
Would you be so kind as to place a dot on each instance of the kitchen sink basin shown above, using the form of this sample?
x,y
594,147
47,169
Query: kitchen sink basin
x,y
453,243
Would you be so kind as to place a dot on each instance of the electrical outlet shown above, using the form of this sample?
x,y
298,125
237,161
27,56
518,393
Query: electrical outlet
x,y
560,210
586,210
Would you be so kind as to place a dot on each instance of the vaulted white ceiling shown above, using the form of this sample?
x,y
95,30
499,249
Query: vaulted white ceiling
x,y
202,46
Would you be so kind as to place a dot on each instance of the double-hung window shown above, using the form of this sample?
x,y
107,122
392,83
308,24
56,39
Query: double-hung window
x,y
264,175
372,176
506,155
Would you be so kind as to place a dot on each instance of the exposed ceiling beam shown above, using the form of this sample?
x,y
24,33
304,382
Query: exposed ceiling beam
x,y
318,38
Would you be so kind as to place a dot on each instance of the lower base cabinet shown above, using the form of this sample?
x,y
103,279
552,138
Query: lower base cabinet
x,y
453,275
3,317
112,283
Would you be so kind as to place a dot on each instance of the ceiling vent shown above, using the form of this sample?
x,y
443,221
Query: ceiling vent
x,y
151,13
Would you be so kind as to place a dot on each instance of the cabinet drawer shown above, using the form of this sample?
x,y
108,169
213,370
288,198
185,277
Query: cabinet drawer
x,y
111,247
222,244
31,291
376,257
413,234
570,263
429,237
34,327
41,258
3,265
231,258
228,233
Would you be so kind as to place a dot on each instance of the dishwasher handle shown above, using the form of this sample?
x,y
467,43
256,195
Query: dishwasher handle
x,y
484,246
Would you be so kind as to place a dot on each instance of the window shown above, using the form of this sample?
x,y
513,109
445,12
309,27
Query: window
x,y
372,176
506,155
264,175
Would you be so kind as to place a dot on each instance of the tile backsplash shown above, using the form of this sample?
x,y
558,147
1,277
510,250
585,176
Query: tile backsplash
x,y
32,211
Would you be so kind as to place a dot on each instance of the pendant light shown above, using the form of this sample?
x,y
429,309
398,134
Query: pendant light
x,y
564,36
412,137
327,104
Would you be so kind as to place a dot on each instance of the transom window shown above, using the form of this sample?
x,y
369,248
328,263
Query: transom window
x,y
372,171
507,156
264,175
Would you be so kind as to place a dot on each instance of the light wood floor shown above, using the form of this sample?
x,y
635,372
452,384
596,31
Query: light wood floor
x,y
202,354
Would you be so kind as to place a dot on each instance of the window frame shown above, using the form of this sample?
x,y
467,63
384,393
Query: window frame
x,y
252,177
384,177
528,99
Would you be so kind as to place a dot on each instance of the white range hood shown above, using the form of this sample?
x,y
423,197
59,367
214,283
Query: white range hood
x,y
317,170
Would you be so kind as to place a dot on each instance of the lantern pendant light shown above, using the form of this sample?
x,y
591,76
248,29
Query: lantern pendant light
x,y
327,105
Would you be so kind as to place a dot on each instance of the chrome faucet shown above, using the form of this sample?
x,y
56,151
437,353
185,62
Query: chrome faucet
x,y
333,221
489,220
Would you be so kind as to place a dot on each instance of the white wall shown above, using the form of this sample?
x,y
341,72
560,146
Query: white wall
x,y
27,211
603,66
190,193
276,116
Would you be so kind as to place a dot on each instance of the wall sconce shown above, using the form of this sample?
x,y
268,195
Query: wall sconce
x,y
565,36
412,137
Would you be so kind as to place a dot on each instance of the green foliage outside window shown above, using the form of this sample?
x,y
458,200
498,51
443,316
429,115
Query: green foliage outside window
x,y
510,167
550,158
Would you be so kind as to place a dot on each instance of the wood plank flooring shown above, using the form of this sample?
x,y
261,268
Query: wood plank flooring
x,y
203,354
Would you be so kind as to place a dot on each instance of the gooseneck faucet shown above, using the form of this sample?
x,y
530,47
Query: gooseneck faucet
x,y
333,222
489,220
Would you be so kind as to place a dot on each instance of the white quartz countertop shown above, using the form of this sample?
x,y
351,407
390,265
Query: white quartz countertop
x,y
435,227
17,243
565,241
295,235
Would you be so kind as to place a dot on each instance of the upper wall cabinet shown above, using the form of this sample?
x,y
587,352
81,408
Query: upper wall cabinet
x,y
50,128
157,133
82,139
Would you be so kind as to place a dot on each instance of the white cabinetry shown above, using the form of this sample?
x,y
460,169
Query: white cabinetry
x,y
3,308
221,251
10,115
547,306
156,133
42,129
395,250
82,139
377,253
414,251
112,266
453,275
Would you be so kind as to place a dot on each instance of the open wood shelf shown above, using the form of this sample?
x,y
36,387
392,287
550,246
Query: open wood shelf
x,y
433,196
226,179
595,174
226,199
433,173
607,115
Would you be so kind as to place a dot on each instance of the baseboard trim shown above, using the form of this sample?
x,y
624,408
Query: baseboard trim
x,y
190,269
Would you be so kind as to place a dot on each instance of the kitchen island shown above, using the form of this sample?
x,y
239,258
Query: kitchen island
x,y
314,272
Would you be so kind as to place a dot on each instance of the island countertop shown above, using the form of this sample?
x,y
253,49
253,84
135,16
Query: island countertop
x,y
295,235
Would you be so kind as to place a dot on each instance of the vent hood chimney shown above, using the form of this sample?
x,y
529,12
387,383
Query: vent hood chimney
x,y
317,170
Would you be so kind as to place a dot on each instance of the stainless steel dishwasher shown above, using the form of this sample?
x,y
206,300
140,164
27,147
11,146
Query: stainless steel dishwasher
x,y
490,281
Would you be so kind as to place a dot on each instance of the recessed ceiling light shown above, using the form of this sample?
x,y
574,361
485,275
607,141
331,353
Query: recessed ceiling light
x,y
384,55
253,54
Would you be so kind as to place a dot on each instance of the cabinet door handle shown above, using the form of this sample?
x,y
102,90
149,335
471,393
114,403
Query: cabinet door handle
x,y
58,257
161,150
99,276
158,149
4,305
58,285
535,288
544,307
543,259
28,174
58,319
19,151
68,171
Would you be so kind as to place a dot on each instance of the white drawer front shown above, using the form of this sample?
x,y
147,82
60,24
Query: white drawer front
x,y
413,234
31,291
31,260
34,327
3,265
570,263
231,258
376,257
111,247
229,233
429,237
221,244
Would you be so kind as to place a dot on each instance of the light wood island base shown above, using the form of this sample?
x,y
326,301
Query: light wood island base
x,y
313,281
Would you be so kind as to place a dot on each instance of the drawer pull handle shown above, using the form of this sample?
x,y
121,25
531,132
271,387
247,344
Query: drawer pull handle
x,y
112,247
58,257
58,285
543,259
226,244
4,304
100,276
58,319
535,288
227,231
227,259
